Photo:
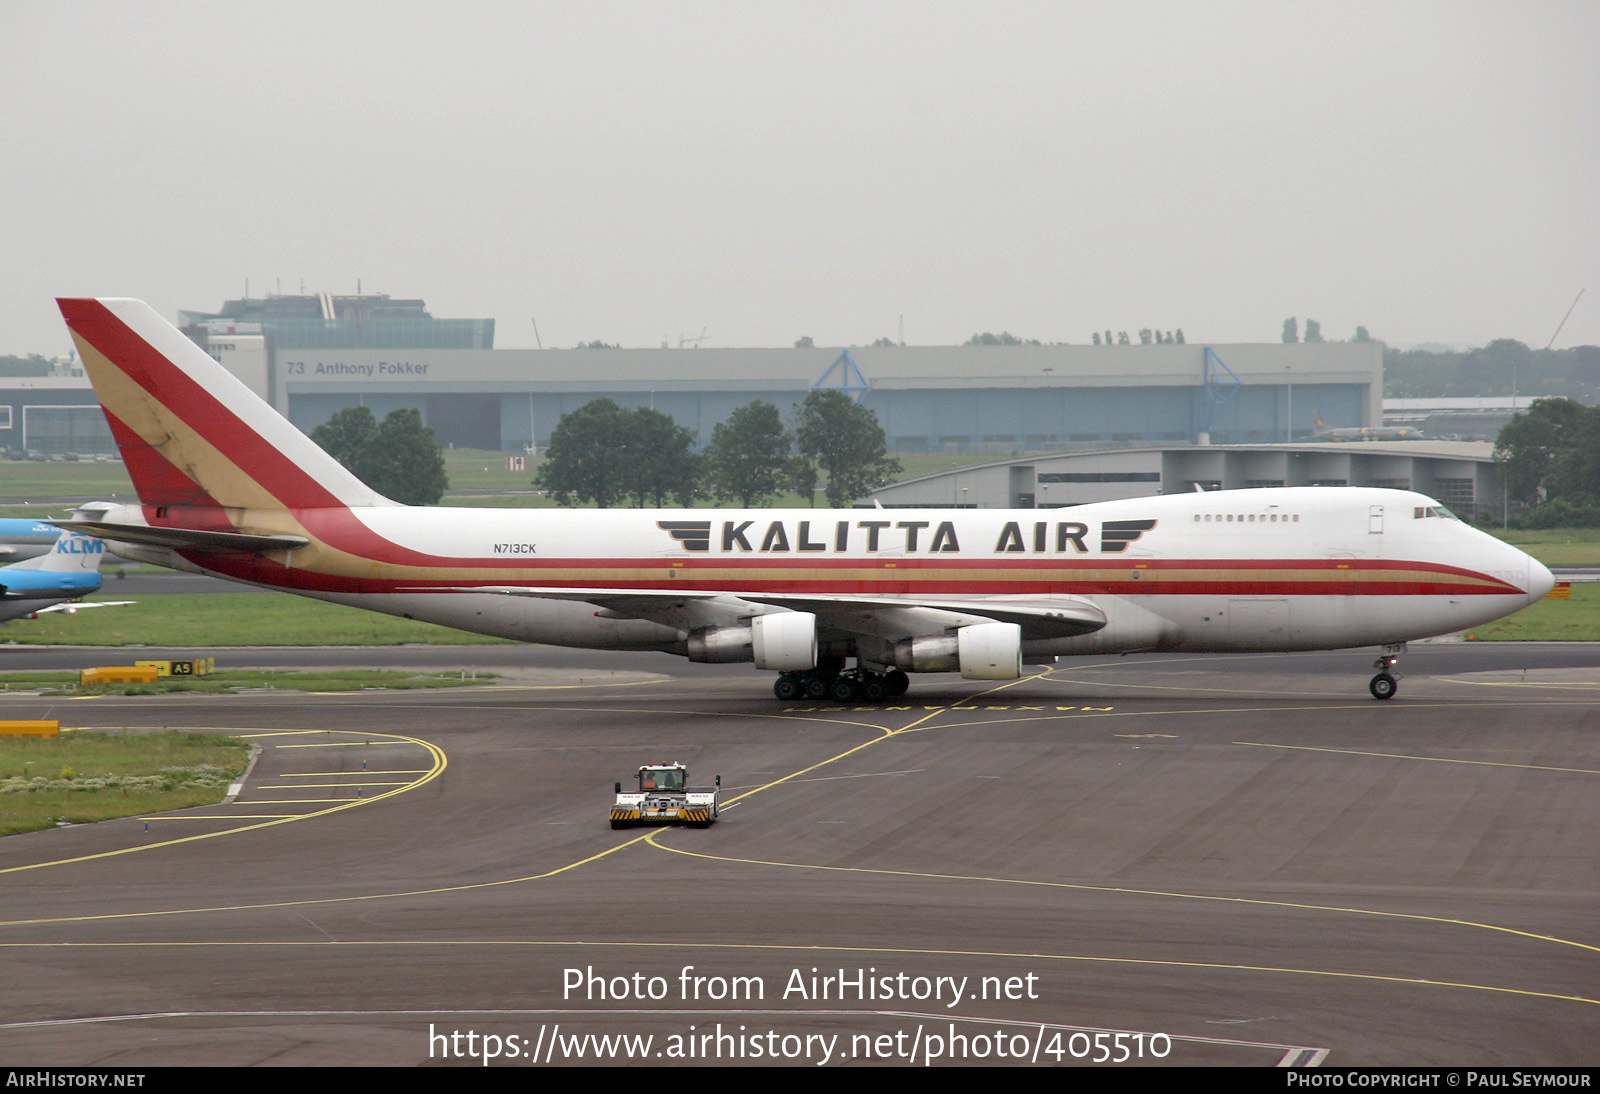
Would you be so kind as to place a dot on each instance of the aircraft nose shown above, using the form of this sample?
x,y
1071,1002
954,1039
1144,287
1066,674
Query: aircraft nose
x,y
1540,579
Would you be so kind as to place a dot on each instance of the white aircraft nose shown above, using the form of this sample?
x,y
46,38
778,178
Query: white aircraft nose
x,y
1540,579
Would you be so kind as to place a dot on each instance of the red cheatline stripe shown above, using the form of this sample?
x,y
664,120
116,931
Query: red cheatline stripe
x,y
264,570
1059,568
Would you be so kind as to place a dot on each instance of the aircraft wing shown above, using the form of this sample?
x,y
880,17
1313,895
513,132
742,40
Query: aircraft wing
x,y
884,617
892,617
180,538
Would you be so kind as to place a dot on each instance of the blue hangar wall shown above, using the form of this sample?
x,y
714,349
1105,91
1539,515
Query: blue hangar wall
x,y
957,398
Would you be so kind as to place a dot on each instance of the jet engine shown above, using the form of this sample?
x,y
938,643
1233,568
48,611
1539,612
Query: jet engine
x,y
784,641
983,651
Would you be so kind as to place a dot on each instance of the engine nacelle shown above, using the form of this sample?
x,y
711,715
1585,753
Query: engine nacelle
x,y
990,651
983,651
785,641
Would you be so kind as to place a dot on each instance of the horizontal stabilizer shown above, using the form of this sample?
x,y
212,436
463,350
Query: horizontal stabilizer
x,y
72,606
179,539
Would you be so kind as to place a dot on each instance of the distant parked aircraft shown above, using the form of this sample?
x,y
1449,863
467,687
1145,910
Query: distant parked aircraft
x,y
50,583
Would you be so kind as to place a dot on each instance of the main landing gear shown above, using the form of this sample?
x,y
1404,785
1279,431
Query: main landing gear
x,y
841,685
1387,682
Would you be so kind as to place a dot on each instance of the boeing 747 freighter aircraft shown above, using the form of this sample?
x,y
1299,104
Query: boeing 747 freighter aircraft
x,y
228,487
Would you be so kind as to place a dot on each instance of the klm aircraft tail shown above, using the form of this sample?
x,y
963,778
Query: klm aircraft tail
x,y
72,553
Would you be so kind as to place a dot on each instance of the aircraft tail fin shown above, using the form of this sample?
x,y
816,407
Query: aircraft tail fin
x,y
197,441
72,553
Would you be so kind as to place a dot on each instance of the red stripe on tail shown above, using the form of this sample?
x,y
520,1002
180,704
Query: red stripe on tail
x,y
193,406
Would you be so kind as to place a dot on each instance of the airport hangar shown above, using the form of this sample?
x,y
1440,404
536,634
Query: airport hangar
x,y
1461,474
312,356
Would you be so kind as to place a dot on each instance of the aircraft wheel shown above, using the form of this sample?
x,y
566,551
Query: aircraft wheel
x,y
843,690
874,689
816,687
897,682
1383,686
787,688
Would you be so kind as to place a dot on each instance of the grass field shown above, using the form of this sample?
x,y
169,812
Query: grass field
x,y
1574,620
84,777
1557,546
35,479
200,621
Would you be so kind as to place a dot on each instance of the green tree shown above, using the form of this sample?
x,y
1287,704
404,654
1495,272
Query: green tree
x,y
604,454
1549,452
1503,358
748,458
802,477
844,440
1313,331
1435,371
31,365
658,458
348,438
804,342
397,457
586,460
1291,330
407,462
1004,338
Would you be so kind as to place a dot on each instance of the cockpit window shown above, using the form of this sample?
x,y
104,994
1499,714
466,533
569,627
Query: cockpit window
x,y
1422,512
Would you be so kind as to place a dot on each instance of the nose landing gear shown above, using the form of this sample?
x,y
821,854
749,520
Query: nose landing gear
x,y
1387,682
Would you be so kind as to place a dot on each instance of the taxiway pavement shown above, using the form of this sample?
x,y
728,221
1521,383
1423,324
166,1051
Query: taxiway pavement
x,y
1239,860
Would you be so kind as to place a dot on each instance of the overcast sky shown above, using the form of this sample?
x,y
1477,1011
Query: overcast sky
x,y
635,172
